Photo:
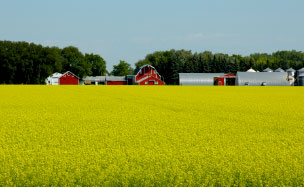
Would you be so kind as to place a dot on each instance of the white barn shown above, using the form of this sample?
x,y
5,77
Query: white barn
x,y
53,79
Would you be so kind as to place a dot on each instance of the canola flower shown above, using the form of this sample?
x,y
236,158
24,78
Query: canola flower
x,y
151,136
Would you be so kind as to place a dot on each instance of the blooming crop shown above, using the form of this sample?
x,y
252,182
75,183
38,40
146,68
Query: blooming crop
x,y
145,135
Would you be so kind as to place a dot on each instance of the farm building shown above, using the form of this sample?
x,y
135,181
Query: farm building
x,y
267,70
227,79
53,79
279,70
300,77
291,76
262,79
198,78
97,80
251,70
146,75
68,78
105,80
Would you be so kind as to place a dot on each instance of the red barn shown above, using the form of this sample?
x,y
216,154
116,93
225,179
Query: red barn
x,y
68,78
147,75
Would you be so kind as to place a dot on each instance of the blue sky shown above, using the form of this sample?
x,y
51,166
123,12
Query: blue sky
x,y
129,30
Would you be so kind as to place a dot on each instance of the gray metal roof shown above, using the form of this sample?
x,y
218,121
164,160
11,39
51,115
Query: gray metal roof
x,y
279,70
290,70
301,70
267,70
115,78
96,78
259,78
105,78
198,78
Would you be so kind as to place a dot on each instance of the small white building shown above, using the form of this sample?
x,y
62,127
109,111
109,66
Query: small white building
x,y
53,79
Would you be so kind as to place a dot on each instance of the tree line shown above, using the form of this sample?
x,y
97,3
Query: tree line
x,y
170,63
29,63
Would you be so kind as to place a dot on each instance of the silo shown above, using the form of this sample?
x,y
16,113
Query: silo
x,y
279,70
291,76
251,70
301,77
267,70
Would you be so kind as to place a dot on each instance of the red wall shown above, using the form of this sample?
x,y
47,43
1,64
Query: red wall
x,y
68,79
116,82
219,81
151,81
146,71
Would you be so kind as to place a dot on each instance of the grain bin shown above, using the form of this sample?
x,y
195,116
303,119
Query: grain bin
x,y
267,70
251,70
301,77
291,76
279,70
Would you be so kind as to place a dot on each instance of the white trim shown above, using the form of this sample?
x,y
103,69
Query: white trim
x,y
140,69
71,73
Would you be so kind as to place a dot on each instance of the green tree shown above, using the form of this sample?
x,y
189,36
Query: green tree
x,y
74,61
122,69
97,63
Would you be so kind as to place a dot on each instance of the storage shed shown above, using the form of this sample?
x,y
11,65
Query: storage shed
x,y
105,80
95,80
206,79
115,80
262,79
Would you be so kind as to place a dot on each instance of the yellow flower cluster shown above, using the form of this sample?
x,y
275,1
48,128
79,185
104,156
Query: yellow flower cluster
x,y
151,136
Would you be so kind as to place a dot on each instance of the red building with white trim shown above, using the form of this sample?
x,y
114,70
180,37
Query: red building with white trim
x,y
68,78
147,75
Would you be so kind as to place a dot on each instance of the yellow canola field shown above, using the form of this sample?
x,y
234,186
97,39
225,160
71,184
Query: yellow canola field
x,y
151,136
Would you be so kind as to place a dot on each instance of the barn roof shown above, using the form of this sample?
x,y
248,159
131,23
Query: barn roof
x,y
68,72
145,66
198,78
258,78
